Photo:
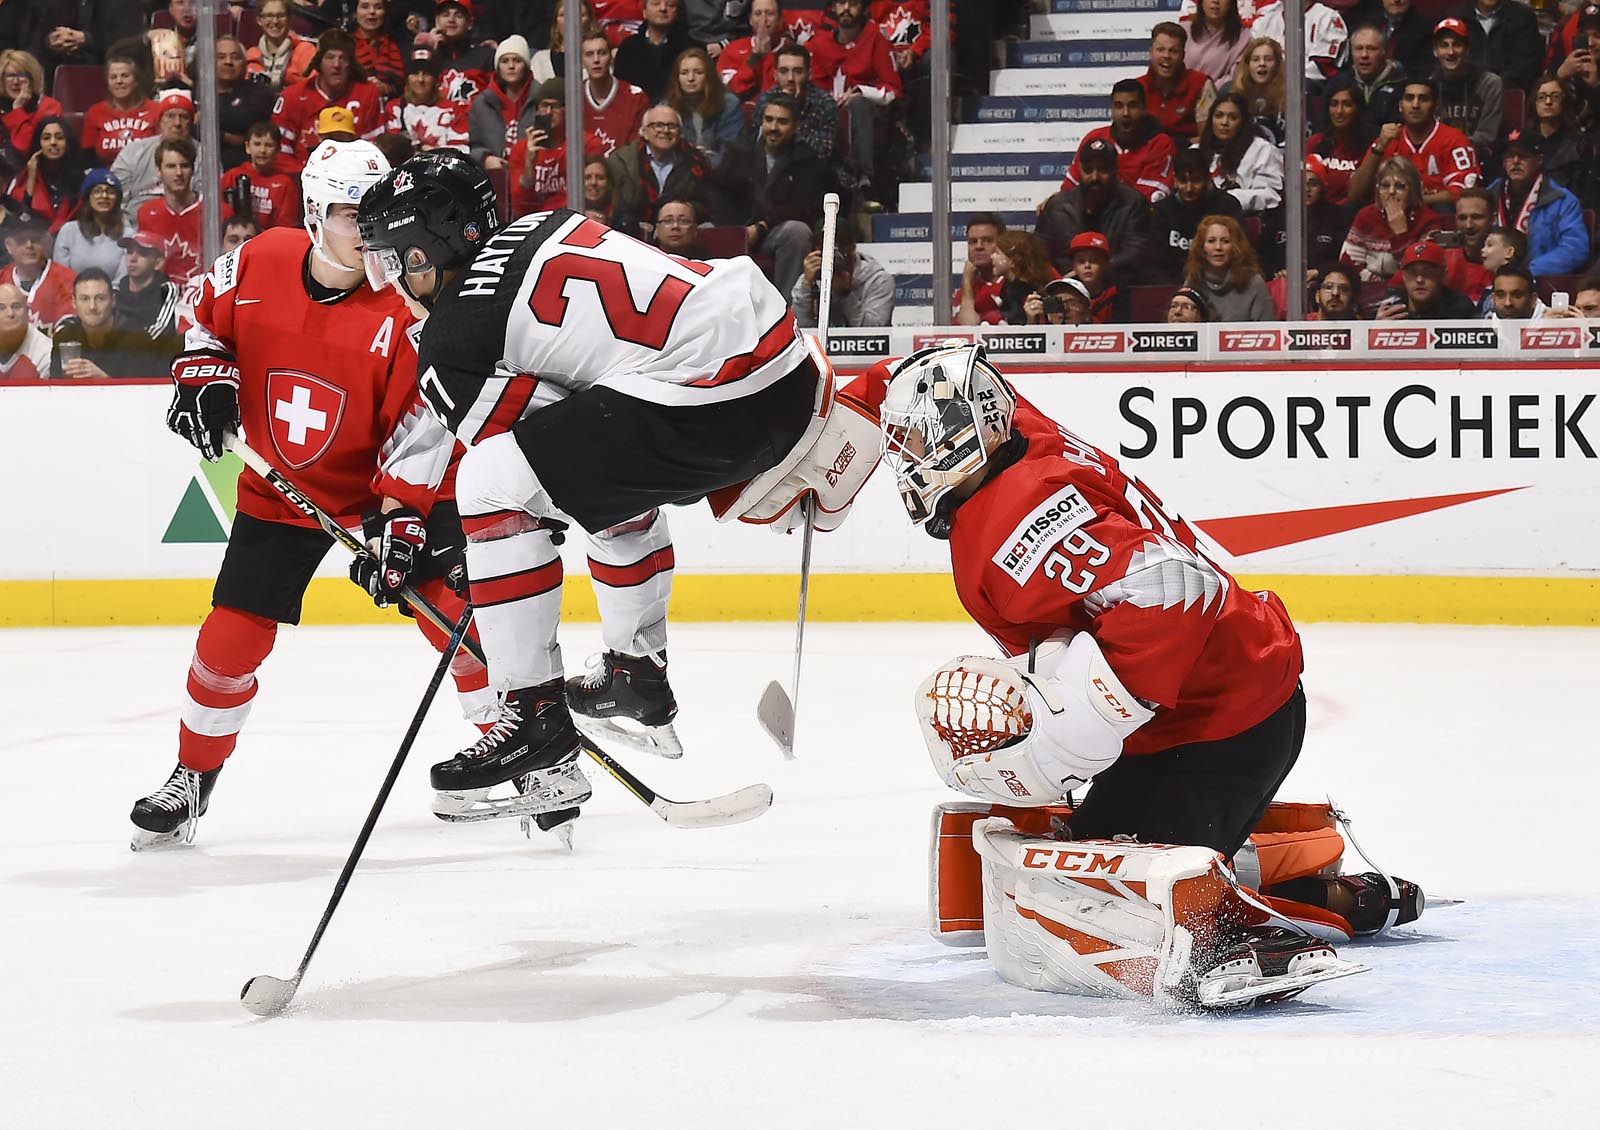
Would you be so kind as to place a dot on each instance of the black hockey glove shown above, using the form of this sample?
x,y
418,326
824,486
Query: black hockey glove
x,y
205,401
396,541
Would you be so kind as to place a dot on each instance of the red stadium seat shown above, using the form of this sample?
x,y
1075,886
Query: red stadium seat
x,y
1149,303
721,243
77,86
249,31
1513,103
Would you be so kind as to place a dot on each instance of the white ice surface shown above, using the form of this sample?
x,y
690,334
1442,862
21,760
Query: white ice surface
x,y
776,974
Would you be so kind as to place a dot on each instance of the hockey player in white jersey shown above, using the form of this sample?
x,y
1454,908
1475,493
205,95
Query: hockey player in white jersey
x,y
594,379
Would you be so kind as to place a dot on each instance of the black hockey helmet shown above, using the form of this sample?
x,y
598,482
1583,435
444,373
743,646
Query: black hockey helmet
x,y
436,210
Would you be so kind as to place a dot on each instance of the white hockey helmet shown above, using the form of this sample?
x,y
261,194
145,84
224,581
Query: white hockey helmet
x,y
338,172
944,412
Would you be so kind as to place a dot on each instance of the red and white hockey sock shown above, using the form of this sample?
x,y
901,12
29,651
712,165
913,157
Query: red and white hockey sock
x,y
516,592
222,685
631,565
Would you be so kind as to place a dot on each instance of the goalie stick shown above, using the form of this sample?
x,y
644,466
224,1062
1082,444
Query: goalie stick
x,y
266,995
710,812
776,710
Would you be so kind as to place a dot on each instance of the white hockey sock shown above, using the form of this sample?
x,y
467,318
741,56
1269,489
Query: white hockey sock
x,y
631,565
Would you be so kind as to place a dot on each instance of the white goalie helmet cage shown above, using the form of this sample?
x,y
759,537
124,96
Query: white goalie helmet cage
x,y
338,172
944,412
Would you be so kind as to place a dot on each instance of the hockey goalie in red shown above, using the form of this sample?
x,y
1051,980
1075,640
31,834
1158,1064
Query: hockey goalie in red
x,y
291,342
1134,662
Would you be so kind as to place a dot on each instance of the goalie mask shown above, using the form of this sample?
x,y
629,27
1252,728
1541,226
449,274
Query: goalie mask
x,y
338,172
945,411
433,213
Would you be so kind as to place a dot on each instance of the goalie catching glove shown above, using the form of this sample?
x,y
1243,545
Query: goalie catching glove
x,y
205,401
395,541
1001,733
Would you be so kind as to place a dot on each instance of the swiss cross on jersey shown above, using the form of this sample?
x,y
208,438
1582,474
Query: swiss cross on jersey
x,y
304,412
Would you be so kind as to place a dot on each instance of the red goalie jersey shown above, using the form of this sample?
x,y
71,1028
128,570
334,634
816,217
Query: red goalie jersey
x,y
1063,541
327,391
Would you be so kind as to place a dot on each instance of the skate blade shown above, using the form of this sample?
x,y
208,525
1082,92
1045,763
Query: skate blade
x,y
660,741
471,806
143,840
1237,990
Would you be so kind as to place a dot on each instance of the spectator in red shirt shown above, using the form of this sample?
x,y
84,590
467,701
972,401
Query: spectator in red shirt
x,y
978,302
49,182
376,50
47,284
466,62
1444,156
24,351
613,110
1342,143
337,80
422,117
1176,97
257,188
853,62
1091,265
504,111
23,100
125,114
745,65
1144,151
1381,232
174,217
539,158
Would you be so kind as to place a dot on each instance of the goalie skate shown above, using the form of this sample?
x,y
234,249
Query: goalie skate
x,y
167,817
1271,964
625,701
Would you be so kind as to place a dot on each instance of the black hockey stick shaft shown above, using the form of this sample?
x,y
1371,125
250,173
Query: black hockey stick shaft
x,y
457,634
419,603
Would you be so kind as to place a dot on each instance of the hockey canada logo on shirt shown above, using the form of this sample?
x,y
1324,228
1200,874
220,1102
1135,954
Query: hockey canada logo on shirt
x,y
304,412
1041,531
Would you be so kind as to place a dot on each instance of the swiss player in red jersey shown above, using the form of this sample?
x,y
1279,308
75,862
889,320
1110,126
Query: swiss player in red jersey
x,y
336,80
318,367
1155,674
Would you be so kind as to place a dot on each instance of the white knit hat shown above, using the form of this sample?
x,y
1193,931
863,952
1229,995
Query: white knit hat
x,y
513,45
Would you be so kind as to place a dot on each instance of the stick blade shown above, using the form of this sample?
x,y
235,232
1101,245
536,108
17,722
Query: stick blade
x,y
718,811
265,995
776,714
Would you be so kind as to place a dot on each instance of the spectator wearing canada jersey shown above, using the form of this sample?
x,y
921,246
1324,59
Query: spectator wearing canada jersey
x,y
336,80
745,65
258,188
1505,39
658,165
1100,202
24,351
1444,156
617,18
505,110
51,176
376,50
612,109
1176,97
466,61
852,60
420,115
978,300
1381,232
538,161
1342,141
1325,36
1144,151
123,115
46,283
135,165
907,26
819,114
645,57
24,101
1558,239
174,217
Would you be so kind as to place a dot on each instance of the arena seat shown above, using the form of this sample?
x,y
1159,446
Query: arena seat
x,y
1513,104
1149,303
77,86
248,31
722,242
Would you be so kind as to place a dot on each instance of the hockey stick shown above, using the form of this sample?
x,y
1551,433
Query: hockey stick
x,y
266,995
776,711
711,812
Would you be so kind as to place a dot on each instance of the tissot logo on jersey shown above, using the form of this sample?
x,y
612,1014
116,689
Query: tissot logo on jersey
x,y
1059,515
304,412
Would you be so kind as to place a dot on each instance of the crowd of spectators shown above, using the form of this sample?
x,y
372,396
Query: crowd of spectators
x,y
1428,133
732,118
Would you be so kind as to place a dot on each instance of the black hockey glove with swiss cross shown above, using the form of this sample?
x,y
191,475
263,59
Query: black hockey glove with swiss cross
x,y
396,540
205,402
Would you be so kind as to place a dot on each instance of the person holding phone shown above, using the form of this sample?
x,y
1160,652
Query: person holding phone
x,y
538,159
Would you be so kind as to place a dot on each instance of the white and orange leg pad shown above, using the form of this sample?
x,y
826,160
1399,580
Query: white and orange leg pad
x,y
829,465
1119,919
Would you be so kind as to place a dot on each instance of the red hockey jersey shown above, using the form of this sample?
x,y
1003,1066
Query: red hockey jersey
x,y
326,391
179,232
1175,112
548,187
274,196
740,75
865,63
107,129
430,127
615,121
1446,159
295,115
1064,541
1147,167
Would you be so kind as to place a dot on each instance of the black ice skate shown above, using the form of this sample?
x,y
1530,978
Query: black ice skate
x,y
1268,964
167,817
1372,902
626,699
533,748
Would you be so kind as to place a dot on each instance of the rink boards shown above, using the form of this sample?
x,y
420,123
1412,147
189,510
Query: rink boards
x,y
1426,490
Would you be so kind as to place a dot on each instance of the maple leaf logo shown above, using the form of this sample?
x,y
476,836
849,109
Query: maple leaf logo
x,y
901,27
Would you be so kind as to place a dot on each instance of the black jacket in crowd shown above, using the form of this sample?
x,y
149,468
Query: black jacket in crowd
x,y
1173,224
1124,220
749,194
